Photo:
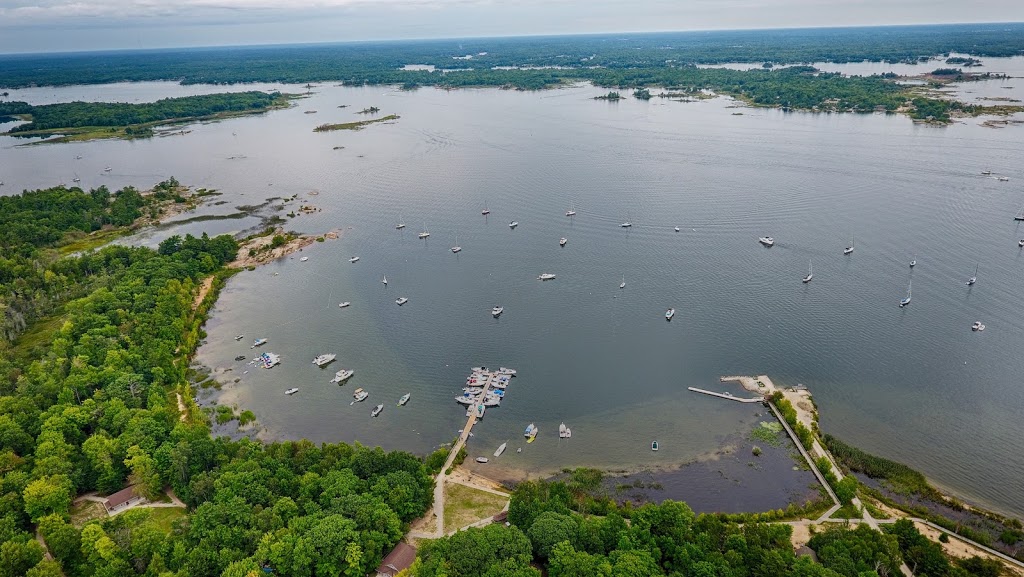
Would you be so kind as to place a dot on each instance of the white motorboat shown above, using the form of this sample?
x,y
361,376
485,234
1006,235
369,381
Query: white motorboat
x,y
562,241
377,410
76,179
849,249
506,371
496,311
344,304
513,224
626,224
342,376
974,278
767,241
977,326
564,432
401,301
107,169
258,343
1002,178
669,314
546,276
654,445
404,399
466,399
906,299
986,172
304,259
1020,242
481,459
810,273
529,430
501,449
354,259
913,262
324,359
292,391
677,229
360,395
239,337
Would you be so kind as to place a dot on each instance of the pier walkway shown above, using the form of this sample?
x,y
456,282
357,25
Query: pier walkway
x,y
729,396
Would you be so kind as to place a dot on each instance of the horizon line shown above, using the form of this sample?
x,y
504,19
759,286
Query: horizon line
x,y
499,36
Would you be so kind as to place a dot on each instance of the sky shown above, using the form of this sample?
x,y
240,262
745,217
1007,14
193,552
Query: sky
x,y
78,25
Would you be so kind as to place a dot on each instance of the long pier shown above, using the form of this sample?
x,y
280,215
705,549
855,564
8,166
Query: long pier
x,y
729,396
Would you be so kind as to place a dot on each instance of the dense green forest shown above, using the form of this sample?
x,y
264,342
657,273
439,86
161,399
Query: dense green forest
x,y
85,114
95,409
547,531
378,61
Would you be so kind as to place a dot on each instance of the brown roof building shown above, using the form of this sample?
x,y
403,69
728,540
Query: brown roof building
x,y
399,559
122,500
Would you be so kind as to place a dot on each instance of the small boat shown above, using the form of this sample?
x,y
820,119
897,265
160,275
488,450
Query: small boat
x,y
533,435
456,249
562,241
546,276
654,445
506,371
519,450
240,358
239,337
677,229
767,241
360,396
1020,242
481,459
1002,178
107,169
269,360
400,224
669,314
401,301
626,224
258,343
913,262
304,259
571,211
405,399
564,432
986,172
424,234
529,430
354,259
78,157
849,249
810,273
385,280
76,179
376,410
1020,215
501,449
309,112
344,304
977,326
906,299
324,359
622,284
496,311
342,376
292,391
513,224
974,278
485,211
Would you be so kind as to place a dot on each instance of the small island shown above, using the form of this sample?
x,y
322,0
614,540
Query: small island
x,y
357,125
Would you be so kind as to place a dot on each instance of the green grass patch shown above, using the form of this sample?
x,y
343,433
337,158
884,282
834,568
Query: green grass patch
x,y
78,241
86,511
464,505
358,125
34,342
164,517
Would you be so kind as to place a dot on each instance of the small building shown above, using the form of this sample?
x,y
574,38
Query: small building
x,y
398,560
122,499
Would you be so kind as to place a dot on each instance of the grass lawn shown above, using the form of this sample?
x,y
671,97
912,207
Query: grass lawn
x,y
86,511
165,517
464,505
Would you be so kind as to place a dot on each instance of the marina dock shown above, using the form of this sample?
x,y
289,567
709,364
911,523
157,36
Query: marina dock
x,y
729,396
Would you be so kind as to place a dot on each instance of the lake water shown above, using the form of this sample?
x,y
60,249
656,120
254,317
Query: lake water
x,y
912,384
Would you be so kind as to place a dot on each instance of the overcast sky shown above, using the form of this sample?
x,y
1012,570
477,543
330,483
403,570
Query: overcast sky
x,y
70,25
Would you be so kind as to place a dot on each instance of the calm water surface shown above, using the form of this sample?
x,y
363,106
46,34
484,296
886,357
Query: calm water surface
x,y
913,384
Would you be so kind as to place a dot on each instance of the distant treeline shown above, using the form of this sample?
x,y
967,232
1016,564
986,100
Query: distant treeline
x,y
378,62
79,114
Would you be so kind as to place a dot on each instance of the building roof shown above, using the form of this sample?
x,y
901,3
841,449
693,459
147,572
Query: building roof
x,y
400,558
121,497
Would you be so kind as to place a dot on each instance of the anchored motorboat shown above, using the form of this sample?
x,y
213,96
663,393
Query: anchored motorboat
x,y
977,326
344,304
767,241
292,391
513,224
401,301
405,399
669,314
258,343
481,459
562,241
377,410
342,376
360,395
354,259
304,259
496,311
546,276
677,229
324,359
239,337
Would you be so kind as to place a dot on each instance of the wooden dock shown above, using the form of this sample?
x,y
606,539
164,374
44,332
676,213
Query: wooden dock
x,y
728,396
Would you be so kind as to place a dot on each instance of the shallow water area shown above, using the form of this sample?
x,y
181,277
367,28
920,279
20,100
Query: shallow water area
x,y
912,384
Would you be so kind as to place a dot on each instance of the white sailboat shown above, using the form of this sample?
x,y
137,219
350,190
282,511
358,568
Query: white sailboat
x,y
810,273
401,223
974,278
385,280
906,299
849,249
486,210
622,284
571,211
456,249
424,234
